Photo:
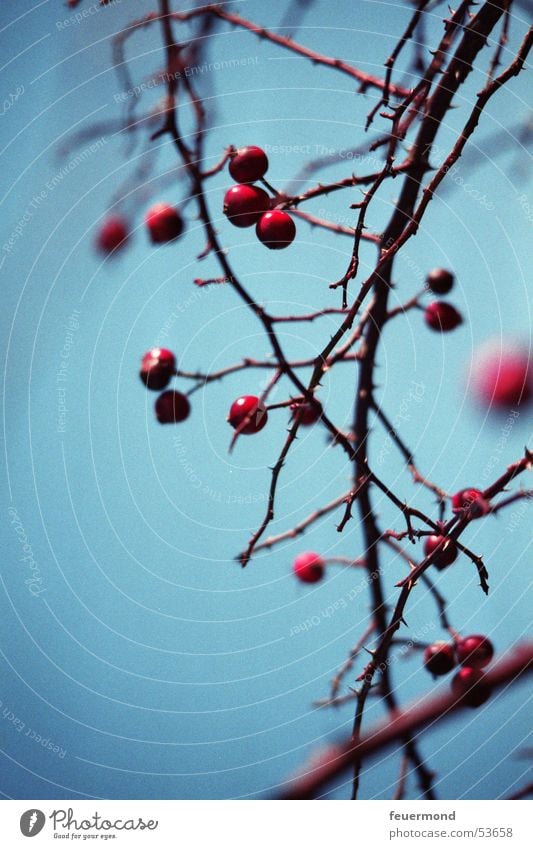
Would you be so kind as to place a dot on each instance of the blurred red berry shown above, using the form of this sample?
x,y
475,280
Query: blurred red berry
x,y
504,378
172,407
244,205
308,567
113,234
276,229
248,164
164,223
447,550
251,408
471,502
440,281
157,367
306,413
469,687
439,658
442,316
475,650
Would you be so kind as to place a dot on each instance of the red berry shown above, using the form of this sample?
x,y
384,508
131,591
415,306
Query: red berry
x,y
276,229
244,205
439,658
471,502
248,164
442,316
307,414
504,379
440,281
172,407
157,367
248,409
113,234
164,223
469,687
447,550
475,650
308,567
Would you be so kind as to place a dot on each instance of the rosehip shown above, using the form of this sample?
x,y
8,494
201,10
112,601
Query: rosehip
x,y
475,651
471,502
248,164
244,205
276,229
248,409
113,234
307,414
447,550
308,567
504,379
440,281
439,658
468,686
172,407
442,316
157,367
164,223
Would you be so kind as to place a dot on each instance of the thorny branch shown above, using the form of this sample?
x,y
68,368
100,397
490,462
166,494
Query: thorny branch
x,y
419,109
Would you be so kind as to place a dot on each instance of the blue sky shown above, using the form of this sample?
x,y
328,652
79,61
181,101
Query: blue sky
x,y
131,641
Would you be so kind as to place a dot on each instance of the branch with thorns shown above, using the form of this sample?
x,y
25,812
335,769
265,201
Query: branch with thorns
x,y
414,116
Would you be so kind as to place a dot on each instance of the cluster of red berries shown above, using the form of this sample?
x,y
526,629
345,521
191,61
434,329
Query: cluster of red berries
x,y
163,223
158,366
246,204
472,654
503,377
440,315
249,415
468,502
